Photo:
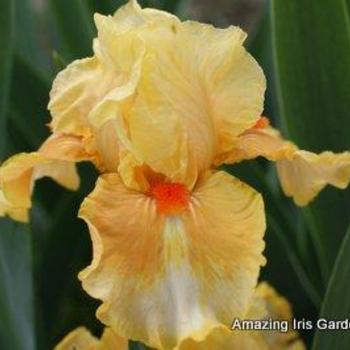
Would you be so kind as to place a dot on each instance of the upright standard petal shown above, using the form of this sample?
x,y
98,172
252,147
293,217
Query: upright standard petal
x,y
187,82
94,89
302,174
165,273
199,88
82,339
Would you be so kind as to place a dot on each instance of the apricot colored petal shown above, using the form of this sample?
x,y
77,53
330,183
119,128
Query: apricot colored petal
x,y
254,143
166,278
56,159
82,339
16,177
65,147
112,341
302,174
305,174
18,214
79,339
232,81
121,55
266,304
198,91
75,91
276,308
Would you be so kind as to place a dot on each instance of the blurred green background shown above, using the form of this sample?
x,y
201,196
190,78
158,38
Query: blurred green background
x,y
304,49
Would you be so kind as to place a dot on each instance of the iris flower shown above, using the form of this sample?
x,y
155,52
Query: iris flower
x,y
266,304
177,245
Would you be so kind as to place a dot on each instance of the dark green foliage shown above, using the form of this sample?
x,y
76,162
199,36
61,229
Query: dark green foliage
x,y
304,49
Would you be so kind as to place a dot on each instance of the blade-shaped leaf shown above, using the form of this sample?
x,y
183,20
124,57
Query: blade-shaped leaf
x,y
311,42
6,53
16,292
62,248
336,305
29,97
75,26
27,43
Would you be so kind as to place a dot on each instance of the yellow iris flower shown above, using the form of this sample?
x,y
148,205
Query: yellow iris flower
x,y
177,246
266,304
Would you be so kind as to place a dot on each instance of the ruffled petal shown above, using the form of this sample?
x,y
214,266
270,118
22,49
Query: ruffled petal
x,y
56,159
75,91
266,304
302,174
79,339
305,174
254,143
186,82
82,339
231,80
6,208
166,278
200,89
131,16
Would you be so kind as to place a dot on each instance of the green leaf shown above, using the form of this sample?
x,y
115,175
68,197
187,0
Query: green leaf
x,y
6,38
311,43
133,345
75,25
26,31
336,305
16,292
58,62
29,97
106,7
61,248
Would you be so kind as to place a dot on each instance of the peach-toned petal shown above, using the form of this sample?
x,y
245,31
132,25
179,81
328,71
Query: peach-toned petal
x,y
305,174
166,277
120,56
56,159
82,339
201,91
16,178
266,304
196,89
112,341
231,80
65,147
302,174
265,142
75,91
78,339
6,208
19,172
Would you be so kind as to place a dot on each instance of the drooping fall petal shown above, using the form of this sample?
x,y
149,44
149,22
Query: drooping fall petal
x,y
56,159
82,339
164,277
266,304
302,174
305,174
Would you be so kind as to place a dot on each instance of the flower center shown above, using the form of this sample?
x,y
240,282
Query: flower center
x,y
262,123
171,198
